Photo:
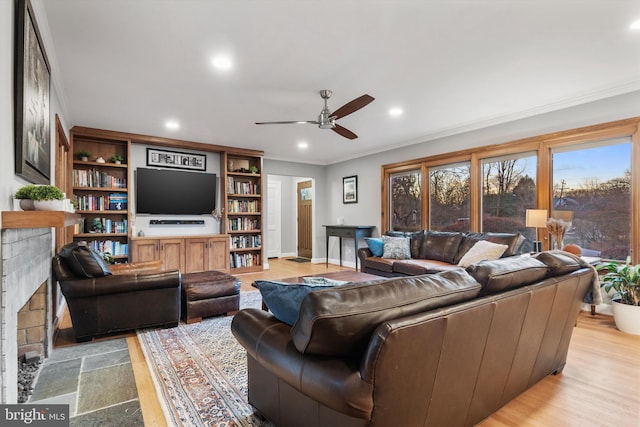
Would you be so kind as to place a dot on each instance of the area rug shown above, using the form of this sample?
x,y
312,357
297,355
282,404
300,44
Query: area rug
x,y
200,371
298,259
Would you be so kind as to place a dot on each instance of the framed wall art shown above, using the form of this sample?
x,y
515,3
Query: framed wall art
x,y
32,85
350,189
176,159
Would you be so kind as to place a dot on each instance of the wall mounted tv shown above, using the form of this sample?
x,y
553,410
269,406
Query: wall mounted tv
x,y
170,192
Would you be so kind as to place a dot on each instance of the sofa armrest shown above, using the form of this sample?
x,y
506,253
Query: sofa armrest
x,y
363,254
121,283
144,267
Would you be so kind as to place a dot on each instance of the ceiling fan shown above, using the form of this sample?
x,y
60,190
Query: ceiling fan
x,y
327,119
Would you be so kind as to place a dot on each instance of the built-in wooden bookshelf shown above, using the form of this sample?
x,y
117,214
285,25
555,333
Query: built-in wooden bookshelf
x,y
242,195
101,191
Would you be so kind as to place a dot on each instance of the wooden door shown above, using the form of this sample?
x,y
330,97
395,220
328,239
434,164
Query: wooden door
x,y
305,204
172,253
196,255
145,250
218,255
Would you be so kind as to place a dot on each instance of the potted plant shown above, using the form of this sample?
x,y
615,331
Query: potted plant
x,y
25,195
48,198
117,159
253,169
624,279
83,155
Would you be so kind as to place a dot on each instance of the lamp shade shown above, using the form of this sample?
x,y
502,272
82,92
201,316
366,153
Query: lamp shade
x,y
536,218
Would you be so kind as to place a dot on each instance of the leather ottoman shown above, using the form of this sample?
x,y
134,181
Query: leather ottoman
x,y
209,293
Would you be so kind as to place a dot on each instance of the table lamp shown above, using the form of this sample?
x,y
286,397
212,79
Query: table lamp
x,y
536,218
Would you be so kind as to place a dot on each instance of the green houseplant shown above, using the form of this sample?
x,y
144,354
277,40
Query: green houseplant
x,y
117,158
83,155
48,198
25,195
624,280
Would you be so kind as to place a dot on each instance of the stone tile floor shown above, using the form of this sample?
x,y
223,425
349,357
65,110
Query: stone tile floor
x,y
95,379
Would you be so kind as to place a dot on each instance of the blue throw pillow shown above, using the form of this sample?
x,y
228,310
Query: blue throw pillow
x,y
376,245
284,299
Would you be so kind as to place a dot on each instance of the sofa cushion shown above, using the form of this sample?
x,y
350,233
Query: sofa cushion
x,y
83,261
415,243
513,241
396,247
416,267
339,321
284,299
481,251
559,263
440,246
379,263
507,273
376,245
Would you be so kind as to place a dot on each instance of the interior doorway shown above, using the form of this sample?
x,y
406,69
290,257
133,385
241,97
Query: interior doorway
x,y
305,218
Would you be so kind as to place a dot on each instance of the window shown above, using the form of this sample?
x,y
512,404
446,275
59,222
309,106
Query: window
x,y
406,201
508,190
449,189
592,191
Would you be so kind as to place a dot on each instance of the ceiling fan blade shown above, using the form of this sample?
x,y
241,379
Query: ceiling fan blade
x,y
299,122
352,106
343,131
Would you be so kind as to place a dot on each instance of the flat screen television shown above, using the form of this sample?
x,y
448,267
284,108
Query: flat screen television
x,y
171,192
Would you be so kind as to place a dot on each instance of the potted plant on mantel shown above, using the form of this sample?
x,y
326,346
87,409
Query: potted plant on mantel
x,y
624,279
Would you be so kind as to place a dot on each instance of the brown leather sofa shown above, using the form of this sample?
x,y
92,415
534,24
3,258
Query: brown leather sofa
x,y
434,251
136,296
446,349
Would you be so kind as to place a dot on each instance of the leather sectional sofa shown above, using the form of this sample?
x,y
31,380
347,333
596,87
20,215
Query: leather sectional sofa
x,y
434,251
443,349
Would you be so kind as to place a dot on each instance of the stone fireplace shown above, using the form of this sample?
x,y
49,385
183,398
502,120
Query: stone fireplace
x,y
25,299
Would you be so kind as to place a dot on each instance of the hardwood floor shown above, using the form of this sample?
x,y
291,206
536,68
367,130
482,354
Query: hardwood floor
x,y
600,385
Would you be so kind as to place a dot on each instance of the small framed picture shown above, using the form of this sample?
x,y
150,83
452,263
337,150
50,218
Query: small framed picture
x,y
350,189
176,159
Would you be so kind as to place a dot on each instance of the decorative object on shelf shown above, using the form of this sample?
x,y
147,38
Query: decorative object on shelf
x,y
101,160
176,159
536,218
350,189
96,225
557,228
253,169
624,279
117,159
24,194
32,87
216,214
83,155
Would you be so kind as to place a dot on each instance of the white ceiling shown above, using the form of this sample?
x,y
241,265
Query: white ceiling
x,y
451,65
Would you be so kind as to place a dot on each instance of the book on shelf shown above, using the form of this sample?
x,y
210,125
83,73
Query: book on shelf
x,y
96,178
118,201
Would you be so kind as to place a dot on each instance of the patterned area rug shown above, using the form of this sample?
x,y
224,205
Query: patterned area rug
x,y
200,371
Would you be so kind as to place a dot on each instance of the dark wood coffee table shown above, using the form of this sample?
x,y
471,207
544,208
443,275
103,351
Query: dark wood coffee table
x,y
346,275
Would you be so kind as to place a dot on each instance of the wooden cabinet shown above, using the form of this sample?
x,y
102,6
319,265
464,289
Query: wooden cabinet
x,y
101,190
188,254
243,214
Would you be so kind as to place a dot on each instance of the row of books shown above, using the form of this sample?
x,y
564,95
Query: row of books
x,y
113,247
244,260
92,202
243,242
243,224
101,225
96,178
243,206
242,187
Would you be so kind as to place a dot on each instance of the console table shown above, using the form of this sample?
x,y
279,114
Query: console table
x,y
354,232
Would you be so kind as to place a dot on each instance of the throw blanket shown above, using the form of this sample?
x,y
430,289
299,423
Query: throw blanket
x,y
594,296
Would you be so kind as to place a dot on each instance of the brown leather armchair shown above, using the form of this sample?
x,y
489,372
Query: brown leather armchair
x,y
134,297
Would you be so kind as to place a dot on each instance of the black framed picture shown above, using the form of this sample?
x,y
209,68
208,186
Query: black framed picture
x,y
176,159
32,85
350,189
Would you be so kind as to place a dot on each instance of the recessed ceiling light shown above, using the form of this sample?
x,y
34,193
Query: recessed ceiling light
x,y
172,124
302,145
222,62
635,25
395,111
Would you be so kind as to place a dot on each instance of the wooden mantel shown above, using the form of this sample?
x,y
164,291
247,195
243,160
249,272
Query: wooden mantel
x,y
38,219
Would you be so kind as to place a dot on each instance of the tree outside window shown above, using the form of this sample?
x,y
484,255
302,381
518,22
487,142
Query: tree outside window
x,y
406,201
449,190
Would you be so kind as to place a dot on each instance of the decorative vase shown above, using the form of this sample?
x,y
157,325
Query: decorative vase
x,y
627,317
558,244
27,205
49,205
